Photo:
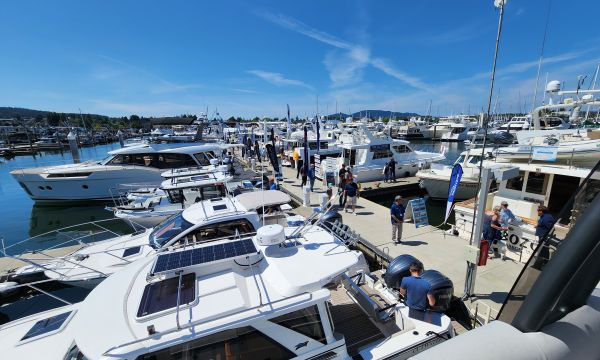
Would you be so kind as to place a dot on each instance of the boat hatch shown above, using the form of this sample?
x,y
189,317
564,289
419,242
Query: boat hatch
x,y
49,326
162,295
132,251
182,259
219,207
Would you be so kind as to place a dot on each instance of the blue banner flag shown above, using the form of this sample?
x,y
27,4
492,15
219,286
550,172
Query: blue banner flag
x,y
457,172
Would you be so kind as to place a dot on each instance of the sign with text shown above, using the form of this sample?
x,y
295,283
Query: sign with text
x,y
544,153
419,212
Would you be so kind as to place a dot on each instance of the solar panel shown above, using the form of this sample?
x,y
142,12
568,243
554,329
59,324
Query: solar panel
x,y
203,255
51,324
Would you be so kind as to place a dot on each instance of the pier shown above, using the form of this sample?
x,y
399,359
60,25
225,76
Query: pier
x,y
437,249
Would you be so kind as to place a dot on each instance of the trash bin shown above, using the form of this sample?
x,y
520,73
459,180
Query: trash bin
x,y
323,198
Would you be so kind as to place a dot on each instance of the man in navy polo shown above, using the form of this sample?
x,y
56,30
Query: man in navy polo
x,y
545,222
416,291
397,218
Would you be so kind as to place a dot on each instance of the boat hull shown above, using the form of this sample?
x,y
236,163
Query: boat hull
x,y
438,188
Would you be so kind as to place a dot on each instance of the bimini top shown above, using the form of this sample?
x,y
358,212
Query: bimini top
x,y
255,199
184,148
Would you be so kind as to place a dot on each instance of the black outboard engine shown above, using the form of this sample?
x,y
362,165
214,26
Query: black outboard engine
x,y
398,269
441,287
504,137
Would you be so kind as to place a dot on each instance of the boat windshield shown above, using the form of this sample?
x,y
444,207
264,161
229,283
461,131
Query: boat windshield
x,y
460,160
106,160
167,230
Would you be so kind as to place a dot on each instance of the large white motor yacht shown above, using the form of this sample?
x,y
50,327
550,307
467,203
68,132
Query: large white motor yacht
x,y
97,180
368,154
242,298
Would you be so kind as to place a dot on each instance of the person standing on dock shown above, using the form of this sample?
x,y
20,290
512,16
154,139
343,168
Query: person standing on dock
x,y
386,172
397,217
342,175
392,169
545,222
311,176
351,191
492,231
297,162
416,291
304,176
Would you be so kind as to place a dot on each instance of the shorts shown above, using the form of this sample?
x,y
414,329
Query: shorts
x,y
351,200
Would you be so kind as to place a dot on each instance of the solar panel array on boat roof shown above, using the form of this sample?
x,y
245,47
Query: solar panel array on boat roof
x,y
182,259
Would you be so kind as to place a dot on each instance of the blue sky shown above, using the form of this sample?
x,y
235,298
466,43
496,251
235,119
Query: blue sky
x,y
252,58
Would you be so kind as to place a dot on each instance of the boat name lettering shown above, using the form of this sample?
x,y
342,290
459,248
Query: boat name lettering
x,y
517,243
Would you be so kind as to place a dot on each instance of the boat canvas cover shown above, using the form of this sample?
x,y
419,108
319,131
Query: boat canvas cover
x,y
255,199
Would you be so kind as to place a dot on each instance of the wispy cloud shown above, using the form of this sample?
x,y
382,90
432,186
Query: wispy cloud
x,y
278,79
520,11
247,91
345,68
158,85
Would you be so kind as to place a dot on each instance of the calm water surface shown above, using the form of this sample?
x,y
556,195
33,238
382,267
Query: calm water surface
x,y
21,218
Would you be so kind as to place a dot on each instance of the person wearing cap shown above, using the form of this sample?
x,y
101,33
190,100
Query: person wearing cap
x,y
416,291
397,218
506,216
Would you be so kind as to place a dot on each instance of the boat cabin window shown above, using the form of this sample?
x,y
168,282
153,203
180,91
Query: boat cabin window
x,y
458,130
174,161
402,149
204,158
460,159
312,145
167,230
228,229
305,321
474,160
516,183
162,295
245,343
349,157
537,183
382,154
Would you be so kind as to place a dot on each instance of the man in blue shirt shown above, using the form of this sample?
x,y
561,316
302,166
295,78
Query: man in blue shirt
x,y
416,291
506,216
397,218
545,222
272,184
351,191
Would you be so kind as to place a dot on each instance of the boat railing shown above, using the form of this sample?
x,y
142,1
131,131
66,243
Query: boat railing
x,y
77,235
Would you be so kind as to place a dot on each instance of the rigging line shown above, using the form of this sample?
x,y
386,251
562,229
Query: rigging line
x,y
537,79
486,121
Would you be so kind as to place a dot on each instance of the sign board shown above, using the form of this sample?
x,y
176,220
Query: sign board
x,y
419,212
544,153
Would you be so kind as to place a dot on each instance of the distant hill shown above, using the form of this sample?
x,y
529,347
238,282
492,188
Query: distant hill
x,y
13,112
374,114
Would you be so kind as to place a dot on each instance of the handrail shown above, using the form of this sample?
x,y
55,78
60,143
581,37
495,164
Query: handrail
x,y
160,334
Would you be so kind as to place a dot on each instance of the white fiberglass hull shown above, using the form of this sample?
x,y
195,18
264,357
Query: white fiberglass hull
x,y
437,188
81,182
587,154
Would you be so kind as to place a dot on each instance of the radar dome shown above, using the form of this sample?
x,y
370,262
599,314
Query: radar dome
x,y
270,235
553,86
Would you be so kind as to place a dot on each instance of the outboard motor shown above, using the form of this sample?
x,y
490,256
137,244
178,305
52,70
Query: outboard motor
x,y
441,287
504,137
398,269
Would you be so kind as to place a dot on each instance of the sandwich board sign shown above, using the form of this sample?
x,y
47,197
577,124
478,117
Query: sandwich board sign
x,y
419,212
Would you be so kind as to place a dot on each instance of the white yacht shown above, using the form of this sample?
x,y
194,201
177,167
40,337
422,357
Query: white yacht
x,y
515,124
200,223
367,155
241,298
95,180
178,194
414,129
462,132
436,180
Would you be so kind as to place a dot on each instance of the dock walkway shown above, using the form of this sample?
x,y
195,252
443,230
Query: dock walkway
x,y
437,249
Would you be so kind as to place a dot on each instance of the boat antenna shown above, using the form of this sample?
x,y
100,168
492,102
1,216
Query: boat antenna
x,y
537,78
500,4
